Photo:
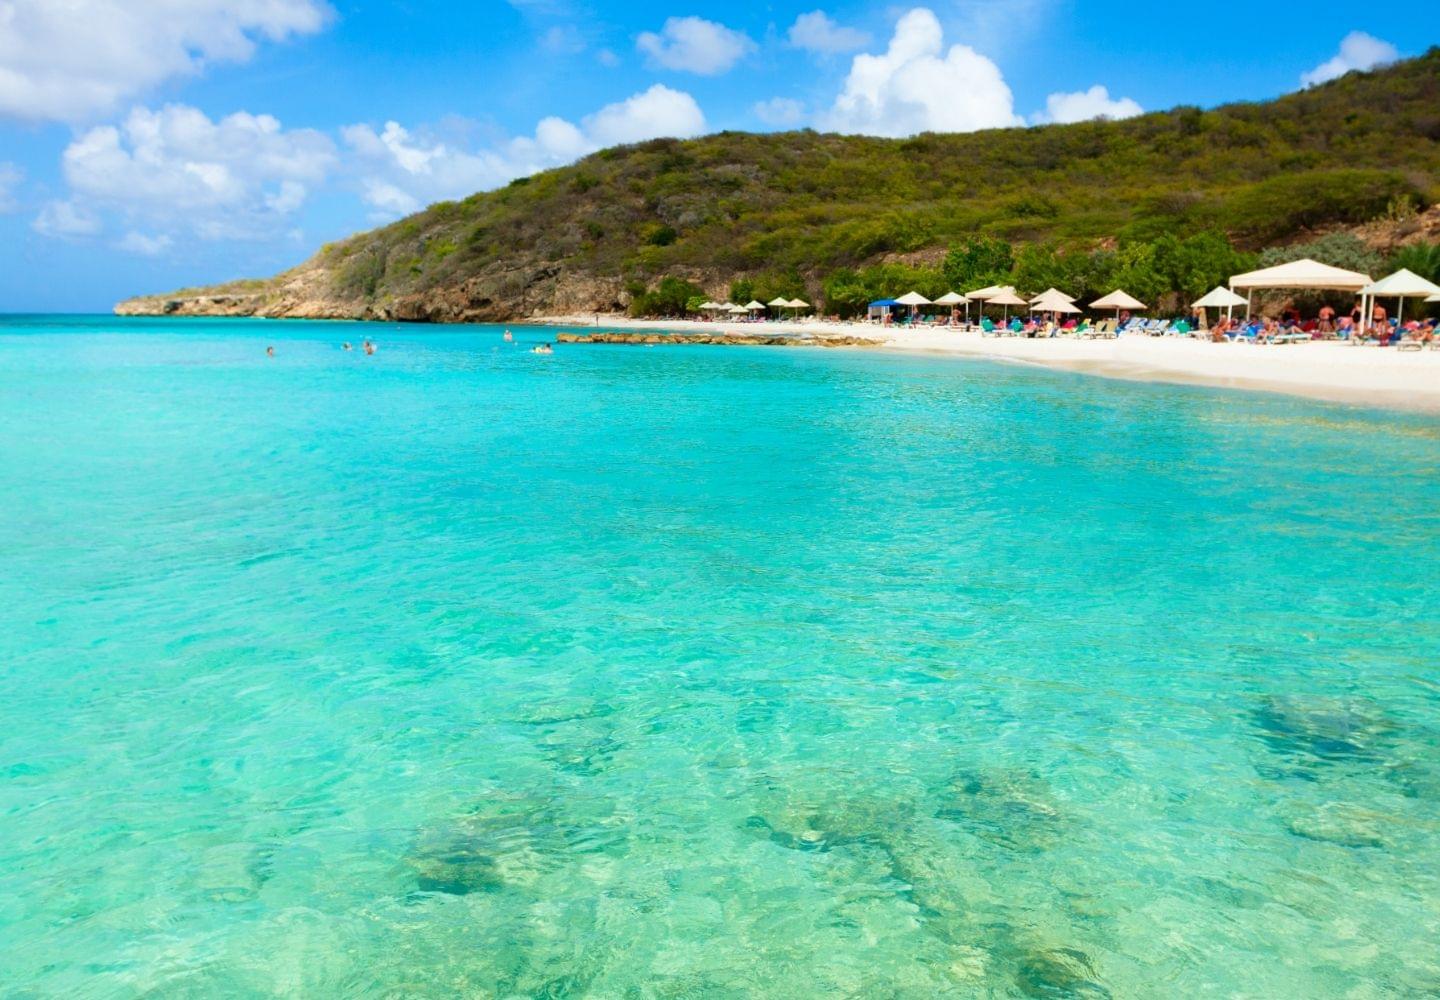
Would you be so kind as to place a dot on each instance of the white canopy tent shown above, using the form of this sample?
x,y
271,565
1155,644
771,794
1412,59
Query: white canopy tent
x,y
1219,297
1305,274
1402,285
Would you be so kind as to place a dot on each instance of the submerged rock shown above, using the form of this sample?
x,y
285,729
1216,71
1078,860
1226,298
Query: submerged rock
x,y
1009,807
1058,972
1338,823
512,841
1313,730
811,827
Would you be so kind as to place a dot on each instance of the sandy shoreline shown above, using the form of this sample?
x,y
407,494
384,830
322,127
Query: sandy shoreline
x,y
1323,370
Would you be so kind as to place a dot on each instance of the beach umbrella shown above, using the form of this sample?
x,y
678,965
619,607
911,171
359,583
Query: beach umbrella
x,y
1006,297
1053,302
798,304
984,295
989,292
914,300
953,299
1433,298
1402,285
1052,293
1219,297
1118,300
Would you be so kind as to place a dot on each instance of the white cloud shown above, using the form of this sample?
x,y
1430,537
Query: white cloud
x,y
10,178
65,219
607,58
563,39
817,32
917,86
1357,51
72,59
695,45
402,171
1087,105
237,178
782,112
146,246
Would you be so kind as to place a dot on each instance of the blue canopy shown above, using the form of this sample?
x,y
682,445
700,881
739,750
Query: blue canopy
x,y
883,302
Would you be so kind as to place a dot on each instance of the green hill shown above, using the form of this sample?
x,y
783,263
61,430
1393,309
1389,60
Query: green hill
x,y
807,212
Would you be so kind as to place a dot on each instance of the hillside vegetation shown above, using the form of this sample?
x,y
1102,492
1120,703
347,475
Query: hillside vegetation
x,y
815,214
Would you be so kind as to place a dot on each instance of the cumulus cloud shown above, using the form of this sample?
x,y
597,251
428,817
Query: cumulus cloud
x,y
75,59
1087,105
146,246
65,220
401,170
817,32
695,45
10,178
918,86
175,168
1358,50
783,112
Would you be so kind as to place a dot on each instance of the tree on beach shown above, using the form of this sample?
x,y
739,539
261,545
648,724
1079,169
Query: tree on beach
x,y
977,262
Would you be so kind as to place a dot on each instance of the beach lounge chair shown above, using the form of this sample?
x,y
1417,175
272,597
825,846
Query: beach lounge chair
x,y
1408,344
987,328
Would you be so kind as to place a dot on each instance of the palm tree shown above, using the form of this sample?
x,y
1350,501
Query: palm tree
x,y
1422,258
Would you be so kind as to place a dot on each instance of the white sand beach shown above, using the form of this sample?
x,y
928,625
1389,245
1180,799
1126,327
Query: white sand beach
x,y
1322,370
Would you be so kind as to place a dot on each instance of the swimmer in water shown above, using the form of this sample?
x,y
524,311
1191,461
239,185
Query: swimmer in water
x,y
369,347
345,346
544,349
269,352
509,337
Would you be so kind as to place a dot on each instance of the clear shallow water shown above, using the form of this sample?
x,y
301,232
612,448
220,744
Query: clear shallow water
x,y
702,673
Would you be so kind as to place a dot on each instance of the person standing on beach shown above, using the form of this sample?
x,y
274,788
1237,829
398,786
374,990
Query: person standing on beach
x,y
1327,319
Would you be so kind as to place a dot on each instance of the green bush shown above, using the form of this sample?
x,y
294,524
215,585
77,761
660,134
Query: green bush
x,y
671,297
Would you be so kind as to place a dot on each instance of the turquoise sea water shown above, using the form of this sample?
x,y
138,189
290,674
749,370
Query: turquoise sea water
x,y
693,672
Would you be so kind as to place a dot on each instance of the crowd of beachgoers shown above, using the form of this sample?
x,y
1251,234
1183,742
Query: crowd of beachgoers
x,y
1289,327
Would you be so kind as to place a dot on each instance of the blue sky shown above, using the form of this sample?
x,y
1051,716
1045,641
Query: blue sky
x,y
146,144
